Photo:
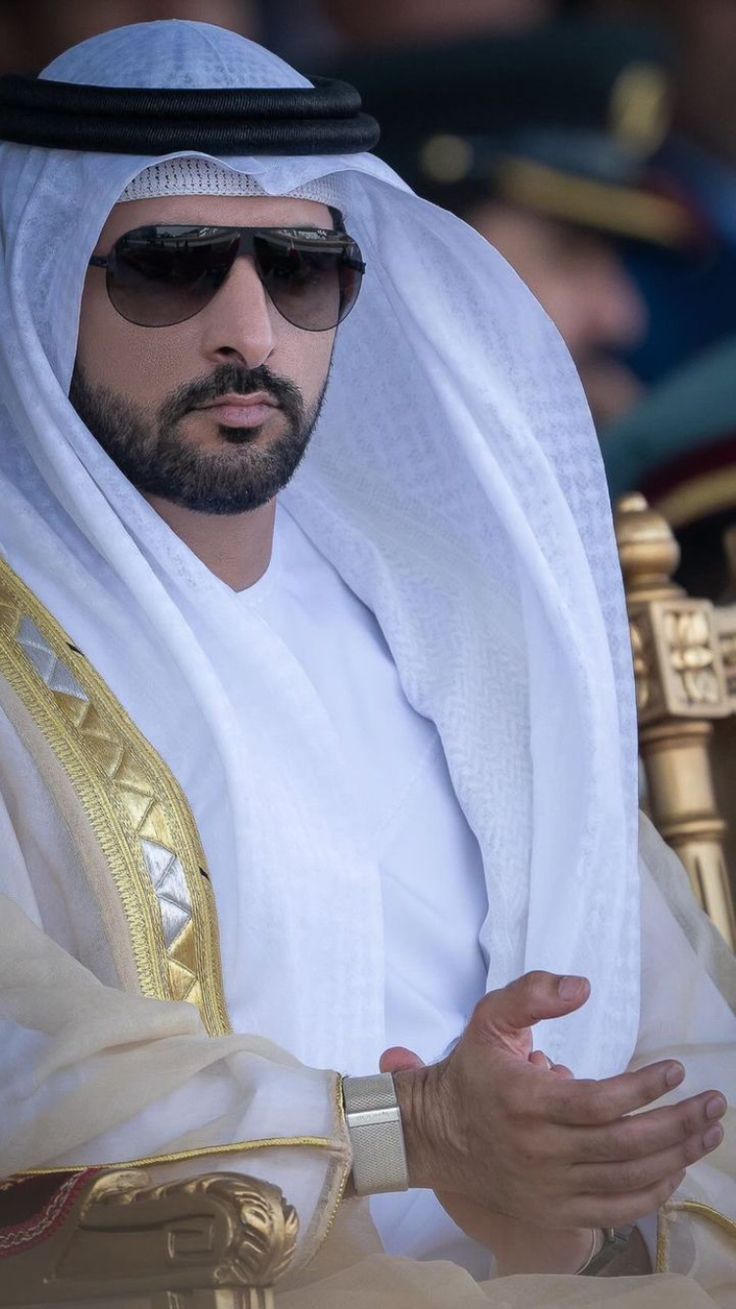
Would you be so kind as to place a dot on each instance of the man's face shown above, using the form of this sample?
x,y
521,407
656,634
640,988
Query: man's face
x,y
156,397
581,282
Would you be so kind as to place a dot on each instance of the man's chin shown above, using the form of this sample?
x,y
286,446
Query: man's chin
x,y
227,479
246,435
201,428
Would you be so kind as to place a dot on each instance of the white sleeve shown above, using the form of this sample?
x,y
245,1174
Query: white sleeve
x,y
689,1014
92,1074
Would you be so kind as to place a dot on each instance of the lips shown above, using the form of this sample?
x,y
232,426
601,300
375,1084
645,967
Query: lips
x,y
232,400
241,410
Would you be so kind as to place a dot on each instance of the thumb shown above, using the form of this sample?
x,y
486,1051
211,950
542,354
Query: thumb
x,y
398,1059
527,1001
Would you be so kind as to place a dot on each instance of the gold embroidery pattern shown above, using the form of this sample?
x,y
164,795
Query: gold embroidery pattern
x,y
726,1224
134,804
199,1152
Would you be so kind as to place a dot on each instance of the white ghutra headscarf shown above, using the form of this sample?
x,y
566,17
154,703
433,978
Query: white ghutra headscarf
x,y
455,483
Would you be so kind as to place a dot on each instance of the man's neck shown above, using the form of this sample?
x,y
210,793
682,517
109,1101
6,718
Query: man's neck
x,y
235,547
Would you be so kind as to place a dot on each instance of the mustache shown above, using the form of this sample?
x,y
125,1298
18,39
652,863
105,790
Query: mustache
x,y
233,379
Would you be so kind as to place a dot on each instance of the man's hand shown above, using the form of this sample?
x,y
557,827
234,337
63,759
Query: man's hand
x,y
519,1247
510,1135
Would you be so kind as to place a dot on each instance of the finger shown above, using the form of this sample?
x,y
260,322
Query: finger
x,y
614,1210
563,1071
640,1174
397,1058
540,1059
527,1001
591,1102
645,1134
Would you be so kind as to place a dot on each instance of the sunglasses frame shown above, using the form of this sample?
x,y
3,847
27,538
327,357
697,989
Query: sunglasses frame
x,y
318,237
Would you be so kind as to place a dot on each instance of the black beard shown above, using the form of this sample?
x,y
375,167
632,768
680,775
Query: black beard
x,y
159,462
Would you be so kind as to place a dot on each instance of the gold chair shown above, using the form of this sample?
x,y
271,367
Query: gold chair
x,y
685,668
213,1241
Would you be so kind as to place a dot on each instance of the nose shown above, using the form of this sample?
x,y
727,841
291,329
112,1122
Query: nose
x,y
238,324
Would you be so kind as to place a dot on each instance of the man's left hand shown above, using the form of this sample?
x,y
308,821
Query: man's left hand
x,y
517,1246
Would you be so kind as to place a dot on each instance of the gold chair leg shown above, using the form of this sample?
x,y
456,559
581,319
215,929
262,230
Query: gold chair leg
x,y
679,776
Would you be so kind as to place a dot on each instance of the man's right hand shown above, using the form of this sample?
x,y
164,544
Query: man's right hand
x,y
511,1136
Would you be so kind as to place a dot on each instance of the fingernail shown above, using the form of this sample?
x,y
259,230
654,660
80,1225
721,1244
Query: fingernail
x,y
674,1074
716,1107
713,1137
569,987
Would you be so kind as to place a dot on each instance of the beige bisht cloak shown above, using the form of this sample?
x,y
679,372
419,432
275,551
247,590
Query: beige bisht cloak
x,y
112,1009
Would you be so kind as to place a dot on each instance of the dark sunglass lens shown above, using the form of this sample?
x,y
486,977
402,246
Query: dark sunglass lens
x,y
312,287
159,277
351,280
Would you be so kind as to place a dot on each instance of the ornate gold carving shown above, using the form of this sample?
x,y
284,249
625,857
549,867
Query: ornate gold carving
x,y
688,636
641,666
691,669
647,549
127,1237
252,1247
725,619
678,647
135,806
649,694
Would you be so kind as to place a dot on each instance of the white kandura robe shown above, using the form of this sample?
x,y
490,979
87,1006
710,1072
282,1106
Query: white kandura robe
x,y
413,830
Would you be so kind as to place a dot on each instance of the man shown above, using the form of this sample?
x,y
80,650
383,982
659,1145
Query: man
x,y
395,700
690,294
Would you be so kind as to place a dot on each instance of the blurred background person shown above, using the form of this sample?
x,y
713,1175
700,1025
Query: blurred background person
x,y
543,141
679,445
703,37
692,297
388,22
33,32
318,29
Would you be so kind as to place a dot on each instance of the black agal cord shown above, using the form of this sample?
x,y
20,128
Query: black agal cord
x,y
323,119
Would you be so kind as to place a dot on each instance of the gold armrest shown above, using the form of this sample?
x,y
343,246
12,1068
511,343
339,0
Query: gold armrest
x,y
685,667
217,1241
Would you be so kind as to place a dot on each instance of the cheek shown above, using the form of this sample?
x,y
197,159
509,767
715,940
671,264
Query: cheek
x,y
127,358
304,358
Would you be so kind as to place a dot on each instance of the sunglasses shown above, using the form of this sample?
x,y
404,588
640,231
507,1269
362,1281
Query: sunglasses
x,y
162,275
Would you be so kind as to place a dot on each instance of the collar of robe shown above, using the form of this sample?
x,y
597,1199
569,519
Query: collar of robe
x,y
319,120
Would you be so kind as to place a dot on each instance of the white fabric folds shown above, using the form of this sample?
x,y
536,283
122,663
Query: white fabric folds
x,y
455,483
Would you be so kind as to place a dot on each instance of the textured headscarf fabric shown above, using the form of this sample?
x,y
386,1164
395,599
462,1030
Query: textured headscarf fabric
x,y
187,175
454,481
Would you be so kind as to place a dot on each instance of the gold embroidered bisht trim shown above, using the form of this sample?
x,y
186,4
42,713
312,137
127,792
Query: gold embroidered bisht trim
x,y
700,1210
135,807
